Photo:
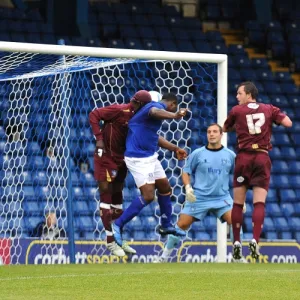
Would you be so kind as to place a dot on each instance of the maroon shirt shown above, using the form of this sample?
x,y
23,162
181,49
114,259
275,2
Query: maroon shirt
x,y
253,124
114,131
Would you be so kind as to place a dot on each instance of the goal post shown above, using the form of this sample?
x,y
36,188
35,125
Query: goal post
x,y
23,63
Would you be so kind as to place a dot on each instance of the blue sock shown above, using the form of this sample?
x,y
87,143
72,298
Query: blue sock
x,y
131,211
165,206
172,241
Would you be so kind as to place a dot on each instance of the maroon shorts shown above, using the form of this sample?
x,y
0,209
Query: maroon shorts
x,y
252,169
108,168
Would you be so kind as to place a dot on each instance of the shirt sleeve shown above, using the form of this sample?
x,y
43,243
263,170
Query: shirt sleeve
x,y
190,163
277,115
230,120
105,114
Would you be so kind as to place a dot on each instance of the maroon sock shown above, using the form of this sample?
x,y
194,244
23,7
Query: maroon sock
x,y
116,206
237,220
258,217
106,215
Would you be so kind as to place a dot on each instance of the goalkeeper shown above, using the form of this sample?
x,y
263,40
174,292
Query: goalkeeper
x,y
206,180
110,169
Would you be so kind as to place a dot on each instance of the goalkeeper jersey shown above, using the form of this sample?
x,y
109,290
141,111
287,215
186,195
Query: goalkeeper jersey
x,y
209,170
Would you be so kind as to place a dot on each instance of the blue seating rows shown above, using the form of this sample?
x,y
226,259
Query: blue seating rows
x,y
130,25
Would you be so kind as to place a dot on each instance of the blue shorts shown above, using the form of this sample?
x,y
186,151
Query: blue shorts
x,y
200,208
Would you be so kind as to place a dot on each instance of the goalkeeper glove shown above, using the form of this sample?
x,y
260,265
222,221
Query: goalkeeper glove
x,y
189,193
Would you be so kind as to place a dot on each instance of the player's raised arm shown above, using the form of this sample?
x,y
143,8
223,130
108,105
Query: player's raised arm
x,y
162,114
286,122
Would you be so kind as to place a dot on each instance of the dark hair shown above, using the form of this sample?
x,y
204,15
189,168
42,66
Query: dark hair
x,y
169,97
216,124
249,88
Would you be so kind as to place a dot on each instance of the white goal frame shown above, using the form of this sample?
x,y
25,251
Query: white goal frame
x,y
219,59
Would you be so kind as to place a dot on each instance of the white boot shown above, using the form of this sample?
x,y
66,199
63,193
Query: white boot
x,y
115,249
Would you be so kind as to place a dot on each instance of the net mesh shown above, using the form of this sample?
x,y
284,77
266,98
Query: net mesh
x,y
47,147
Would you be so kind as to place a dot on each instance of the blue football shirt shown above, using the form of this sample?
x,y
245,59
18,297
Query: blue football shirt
x,y
209,170
142,137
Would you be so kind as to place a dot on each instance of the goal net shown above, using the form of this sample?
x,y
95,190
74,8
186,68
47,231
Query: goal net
x,y
46,145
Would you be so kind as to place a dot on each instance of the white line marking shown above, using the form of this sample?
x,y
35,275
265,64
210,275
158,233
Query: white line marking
x,y
145,273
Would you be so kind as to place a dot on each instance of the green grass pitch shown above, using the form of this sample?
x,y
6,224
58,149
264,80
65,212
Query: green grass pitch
x,y
151,281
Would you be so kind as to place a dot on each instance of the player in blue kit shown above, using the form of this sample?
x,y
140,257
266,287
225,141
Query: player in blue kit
x,y
142,161
206,180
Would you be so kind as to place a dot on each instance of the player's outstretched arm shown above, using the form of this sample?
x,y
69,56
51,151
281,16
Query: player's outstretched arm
x,y
180,153
162,114
286,122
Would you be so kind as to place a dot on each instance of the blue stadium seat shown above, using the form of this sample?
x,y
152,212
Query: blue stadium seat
x,y
84,223
150,44
289,88
210,223
294,181
281,224
78,193
294,224
198,226
296,139
264,75
168,45
294,167
272,195
283,76
280,167
287,209
147,211
258,63
286,235
149,223
87,179
32,208
139,235
29,193
202,236
36,163
136,223
32,221
281,181
271,235
81,208
273,210
287,195
248,73
288,153
280,101
275,153
268,224
129,181
40,178
157,20
185,46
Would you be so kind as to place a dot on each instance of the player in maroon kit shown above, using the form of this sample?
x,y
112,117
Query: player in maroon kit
x,y
252,122
110,168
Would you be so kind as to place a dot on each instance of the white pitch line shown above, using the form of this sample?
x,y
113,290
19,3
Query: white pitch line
x,y
144,273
